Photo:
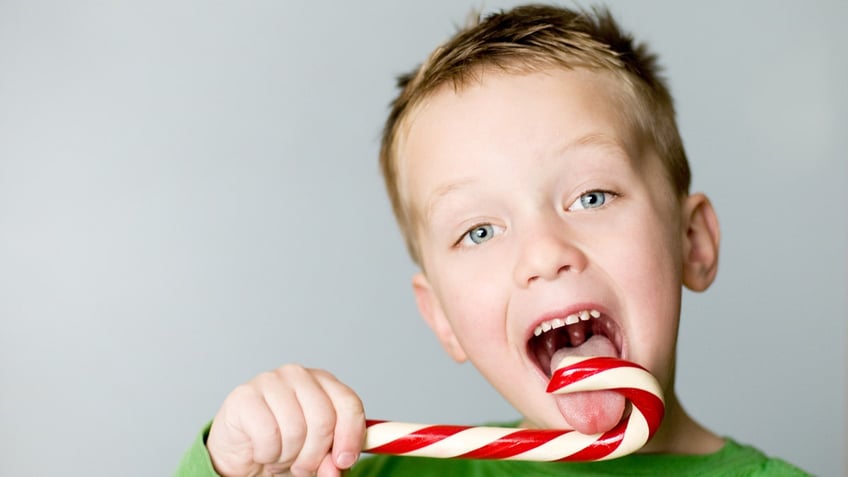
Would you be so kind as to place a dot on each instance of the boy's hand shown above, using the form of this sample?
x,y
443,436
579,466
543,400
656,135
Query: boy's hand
x,y
293,419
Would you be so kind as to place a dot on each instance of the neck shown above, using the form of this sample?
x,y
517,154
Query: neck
x,y
680,434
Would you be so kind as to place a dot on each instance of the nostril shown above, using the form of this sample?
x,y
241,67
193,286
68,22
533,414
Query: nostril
x,y
549,276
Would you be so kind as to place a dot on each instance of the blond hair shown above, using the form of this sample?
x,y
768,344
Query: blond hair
x,y
530,38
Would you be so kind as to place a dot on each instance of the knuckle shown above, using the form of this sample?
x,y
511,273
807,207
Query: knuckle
x,y
351,406
266,379
290,370
242,392
322,373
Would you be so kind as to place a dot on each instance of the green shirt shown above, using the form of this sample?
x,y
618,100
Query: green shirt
x,y
733,459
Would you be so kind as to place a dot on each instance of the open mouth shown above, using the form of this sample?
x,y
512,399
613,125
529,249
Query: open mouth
x,y
584,333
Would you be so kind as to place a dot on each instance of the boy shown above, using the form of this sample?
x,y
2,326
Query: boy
x,y
535,169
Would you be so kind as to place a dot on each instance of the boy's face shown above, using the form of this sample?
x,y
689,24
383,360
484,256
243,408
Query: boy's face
x,y
534,200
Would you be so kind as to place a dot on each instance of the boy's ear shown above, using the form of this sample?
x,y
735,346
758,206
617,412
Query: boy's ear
x,y
431,311
700,244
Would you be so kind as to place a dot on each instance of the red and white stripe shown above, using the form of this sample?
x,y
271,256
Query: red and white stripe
x,y
573,374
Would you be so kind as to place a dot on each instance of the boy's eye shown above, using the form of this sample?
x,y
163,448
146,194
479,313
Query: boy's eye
x,y
479,234
591,200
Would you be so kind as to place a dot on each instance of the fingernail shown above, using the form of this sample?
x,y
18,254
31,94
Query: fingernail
x,y
346,459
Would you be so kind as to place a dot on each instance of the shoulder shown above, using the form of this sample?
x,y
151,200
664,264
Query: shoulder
x,y
749,461
777,467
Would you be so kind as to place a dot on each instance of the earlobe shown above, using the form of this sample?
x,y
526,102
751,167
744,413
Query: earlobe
x,y
431,311
701,243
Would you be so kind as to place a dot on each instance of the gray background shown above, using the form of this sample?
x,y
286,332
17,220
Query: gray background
x,y
189,196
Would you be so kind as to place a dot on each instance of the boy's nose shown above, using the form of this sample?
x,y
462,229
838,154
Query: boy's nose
x,y
547,251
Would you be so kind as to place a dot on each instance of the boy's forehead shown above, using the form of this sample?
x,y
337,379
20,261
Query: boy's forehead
x,y
536,113
547,94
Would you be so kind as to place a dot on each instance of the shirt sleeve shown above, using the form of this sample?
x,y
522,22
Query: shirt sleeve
x,y
781,468
196,461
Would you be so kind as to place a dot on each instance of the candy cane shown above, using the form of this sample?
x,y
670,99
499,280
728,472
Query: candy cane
x,y
573,374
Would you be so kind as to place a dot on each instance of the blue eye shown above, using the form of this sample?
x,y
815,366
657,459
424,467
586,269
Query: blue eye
x,y
591,200
478,234
481,233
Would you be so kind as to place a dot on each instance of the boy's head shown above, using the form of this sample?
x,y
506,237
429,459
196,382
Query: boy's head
x,y
536,170
526,39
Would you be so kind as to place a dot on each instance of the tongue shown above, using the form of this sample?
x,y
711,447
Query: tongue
x,y
590,412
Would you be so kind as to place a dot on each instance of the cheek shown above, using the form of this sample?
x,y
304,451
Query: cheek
x,y
474,300
648,265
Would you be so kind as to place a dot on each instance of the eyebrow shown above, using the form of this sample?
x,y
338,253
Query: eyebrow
x,y
589,140
594,139
442,191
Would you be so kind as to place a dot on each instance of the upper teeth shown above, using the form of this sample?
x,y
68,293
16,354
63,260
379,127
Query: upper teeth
x,y
571,319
